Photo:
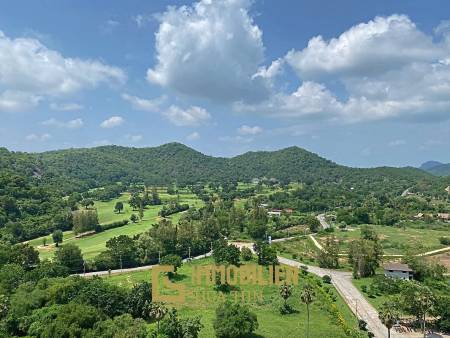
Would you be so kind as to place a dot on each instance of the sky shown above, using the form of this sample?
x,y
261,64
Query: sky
x,y
361,83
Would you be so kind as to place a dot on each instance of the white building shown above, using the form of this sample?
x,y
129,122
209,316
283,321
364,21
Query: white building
x,y
398,270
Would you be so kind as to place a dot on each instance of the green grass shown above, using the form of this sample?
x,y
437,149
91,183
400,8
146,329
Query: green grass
x,y
271,322
394,240
94,244
377,300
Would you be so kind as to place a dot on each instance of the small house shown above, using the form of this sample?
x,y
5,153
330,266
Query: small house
x,y
274,213
444,216
419,215
398,270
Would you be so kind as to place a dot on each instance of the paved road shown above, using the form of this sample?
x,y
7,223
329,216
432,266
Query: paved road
x,y
139,268
342,281
323,221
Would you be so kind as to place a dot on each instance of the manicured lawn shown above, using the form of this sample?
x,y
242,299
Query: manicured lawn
x,y
395,240
271,322
94,244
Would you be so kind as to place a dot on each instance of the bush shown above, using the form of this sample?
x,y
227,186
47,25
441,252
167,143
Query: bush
x,y
444,240
326,279
246,254
113,225
234,320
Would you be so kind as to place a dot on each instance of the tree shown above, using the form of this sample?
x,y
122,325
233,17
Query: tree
x,y
174,327
87,202
246,254
224,253
234,320
57,236
313,223
388,315
69,255
118,207
173,260
135,201
139,301
285,292
307,296
329,257
133,218
418,300
365,256
141,210
157,312
123,250
84,220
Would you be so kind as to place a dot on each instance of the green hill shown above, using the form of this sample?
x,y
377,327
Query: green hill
x,y
81,169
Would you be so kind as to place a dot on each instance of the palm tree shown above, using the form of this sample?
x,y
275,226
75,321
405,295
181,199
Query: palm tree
x,y
158,311
307,296
388,315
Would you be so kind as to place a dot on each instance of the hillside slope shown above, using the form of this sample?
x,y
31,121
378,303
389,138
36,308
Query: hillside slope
x,y
81,169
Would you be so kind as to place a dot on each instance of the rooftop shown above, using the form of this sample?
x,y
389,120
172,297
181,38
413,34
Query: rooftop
x,y
397,267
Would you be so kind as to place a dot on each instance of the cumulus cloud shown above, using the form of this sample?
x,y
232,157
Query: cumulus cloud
x,y
193,136
113,121
32,71
247,130
38,137
69,106
387,68
144,104
16,101
72,124
211,49
366,49
192,116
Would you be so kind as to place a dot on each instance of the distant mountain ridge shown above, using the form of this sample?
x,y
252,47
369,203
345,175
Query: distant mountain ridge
x,y
82,169
436,168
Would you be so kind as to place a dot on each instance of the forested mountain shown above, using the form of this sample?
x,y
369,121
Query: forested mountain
x,y
79,169
32,185
436,168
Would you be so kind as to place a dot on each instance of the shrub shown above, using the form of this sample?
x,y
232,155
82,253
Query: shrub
x,y
234,320
246,254
326,279
112,225
444,240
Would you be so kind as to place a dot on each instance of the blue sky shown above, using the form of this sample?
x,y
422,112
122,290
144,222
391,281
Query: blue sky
x,y
360,83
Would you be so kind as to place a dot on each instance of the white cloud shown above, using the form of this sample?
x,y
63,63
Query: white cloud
x,y
385,68
15,101
247,130
69,106
72,124
211,49
192,116
38,137
134,138
193,136
113,121
142,19
366,49
31,70
144,104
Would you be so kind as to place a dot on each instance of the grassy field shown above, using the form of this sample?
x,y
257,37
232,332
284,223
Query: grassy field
x,y
394,240
271,322
94,244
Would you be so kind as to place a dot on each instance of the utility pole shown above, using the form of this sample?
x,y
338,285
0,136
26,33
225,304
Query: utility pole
x,y
189,254
84,267
159,257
